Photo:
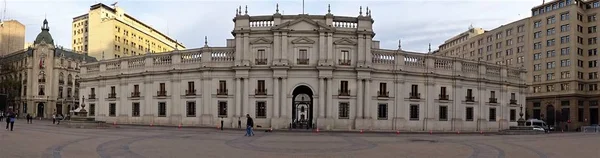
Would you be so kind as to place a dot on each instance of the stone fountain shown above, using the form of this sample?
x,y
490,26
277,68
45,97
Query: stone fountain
x,y
80,119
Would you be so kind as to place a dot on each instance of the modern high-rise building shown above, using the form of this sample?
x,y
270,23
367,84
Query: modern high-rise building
x,y
12,36
108,32
558,45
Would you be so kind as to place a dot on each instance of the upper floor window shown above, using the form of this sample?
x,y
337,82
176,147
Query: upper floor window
x,y
414,92
564,16
260,90
344,91
162,90
303,57
551,20
261,57
344,58
537,24
191,90
222,88
383,90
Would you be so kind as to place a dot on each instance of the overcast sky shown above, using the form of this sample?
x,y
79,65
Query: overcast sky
x,y
415,22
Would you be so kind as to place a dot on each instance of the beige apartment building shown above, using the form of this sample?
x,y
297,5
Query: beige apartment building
x,y
12,36
108,32
558,45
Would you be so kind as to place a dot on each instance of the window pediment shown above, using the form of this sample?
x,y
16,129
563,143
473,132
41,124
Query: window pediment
x,y
262,40
303,40
344,41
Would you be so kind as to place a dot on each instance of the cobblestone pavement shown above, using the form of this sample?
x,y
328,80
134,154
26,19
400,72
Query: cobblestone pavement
x,y
42,139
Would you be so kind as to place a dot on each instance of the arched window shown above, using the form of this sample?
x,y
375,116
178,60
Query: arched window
x,y
70,80
61,78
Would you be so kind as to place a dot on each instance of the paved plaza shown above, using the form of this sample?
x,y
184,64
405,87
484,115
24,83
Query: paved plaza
x,y
42,139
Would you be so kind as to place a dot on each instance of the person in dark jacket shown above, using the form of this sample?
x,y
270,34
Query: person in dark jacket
x,y
249,125
10,119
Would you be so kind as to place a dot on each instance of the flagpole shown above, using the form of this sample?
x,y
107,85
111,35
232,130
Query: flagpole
x,y
302,6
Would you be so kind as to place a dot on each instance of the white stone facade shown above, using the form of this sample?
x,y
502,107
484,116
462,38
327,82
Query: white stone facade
x,y
271,49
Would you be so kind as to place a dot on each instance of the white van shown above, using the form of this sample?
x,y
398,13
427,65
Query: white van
x,y
537,124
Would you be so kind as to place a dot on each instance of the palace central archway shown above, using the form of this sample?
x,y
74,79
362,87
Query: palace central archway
x,y
302,107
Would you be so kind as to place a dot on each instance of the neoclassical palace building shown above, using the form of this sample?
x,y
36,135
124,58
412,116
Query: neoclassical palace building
x,y
304,71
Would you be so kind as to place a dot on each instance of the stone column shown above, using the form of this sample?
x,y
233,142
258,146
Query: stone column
x,y
245,98
359,99
238,98
367,102
321,97
276,98
328,98
284,99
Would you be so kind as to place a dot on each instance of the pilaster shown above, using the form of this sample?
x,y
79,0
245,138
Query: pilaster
x,y
245,97
284,99
367,101
238,98
329,99
321,98
277,46
284,47
276,98
246,55
359,99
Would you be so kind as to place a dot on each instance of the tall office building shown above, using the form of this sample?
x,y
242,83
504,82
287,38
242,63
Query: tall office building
x,y
12,36
558,45
108,32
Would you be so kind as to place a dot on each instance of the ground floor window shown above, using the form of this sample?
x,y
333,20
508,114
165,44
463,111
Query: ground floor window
x,y
414,112
469,114
92,109
112,109
162,109
261,109
223,109
343,110
492,114
190,109
382,111
443,113
135,109
513,115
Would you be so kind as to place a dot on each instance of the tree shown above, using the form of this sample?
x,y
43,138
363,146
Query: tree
x,y
10,84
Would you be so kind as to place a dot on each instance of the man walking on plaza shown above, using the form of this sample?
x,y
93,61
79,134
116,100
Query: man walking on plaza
x,y
10,119
249,125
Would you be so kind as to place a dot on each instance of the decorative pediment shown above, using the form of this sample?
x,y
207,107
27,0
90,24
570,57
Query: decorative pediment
x,y
303,40
303,21
262,40
344,41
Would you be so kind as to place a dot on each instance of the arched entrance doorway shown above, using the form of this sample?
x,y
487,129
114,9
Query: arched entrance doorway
x,y
302,107
40,110
550,115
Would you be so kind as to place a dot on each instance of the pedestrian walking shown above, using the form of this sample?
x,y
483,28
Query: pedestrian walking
x,y
1,115
54,118
249,125
58,118
10,120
